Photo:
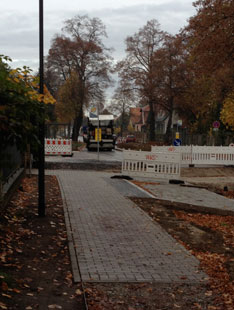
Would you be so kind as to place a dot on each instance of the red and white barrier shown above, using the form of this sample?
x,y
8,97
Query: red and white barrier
x,y
148,164
58,147
194,154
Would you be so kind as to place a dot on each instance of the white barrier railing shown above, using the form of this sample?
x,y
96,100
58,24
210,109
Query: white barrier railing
x,y
194,154
148,164
184,151
213,155
58,147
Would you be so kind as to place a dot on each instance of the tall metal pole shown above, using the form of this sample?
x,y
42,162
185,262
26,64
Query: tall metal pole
x,y
98,142
41,153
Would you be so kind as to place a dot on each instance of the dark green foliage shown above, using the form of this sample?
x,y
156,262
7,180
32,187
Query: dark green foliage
x,y
20,110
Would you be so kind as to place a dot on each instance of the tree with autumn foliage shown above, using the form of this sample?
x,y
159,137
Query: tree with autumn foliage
x,y
21,107
210,44
227,113
83,64
121,102
138,67
210,34
68,97
170,77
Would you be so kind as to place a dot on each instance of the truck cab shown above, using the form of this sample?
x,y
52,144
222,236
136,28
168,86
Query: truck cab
x,y
100,133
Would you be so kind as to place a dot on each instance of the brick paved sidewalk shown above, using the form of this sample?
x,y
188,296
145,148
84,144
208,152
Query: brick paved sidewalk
x,y
111,239
190,195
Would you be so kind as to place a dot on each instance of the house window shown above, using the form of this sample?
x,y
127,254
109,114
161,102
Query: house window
x,y
137,127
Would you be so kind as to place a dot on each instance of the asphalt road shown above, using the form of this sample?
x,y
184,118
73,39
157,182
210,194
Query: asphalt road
x,y
84,155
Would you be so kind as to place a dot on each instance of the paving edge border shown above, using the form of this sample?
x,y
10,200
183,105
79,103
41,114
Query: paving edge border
x,y
186,206
72,251
141,189
74,257
84,165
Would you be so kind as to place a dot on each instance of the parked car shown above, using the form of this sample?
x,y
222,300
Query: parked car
x,y
120,140
130,138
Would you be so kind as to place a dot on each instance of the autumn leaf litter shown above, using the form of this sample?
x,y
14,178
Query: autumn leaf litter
x,y
35,270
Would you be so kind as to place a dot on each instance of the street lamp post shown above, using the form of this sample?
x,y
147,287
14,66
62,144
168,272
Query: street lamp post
x,y
41,153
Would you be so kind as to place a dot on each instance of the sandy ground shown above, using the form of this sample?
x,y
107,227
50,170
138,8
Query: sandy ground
x,y
212,177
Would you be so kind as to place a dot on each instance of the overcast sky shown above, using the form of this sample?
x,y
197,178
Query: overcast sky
x,y
19,22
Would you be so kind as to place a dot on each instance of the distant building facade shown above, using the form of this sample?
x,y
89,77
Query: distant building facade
x,y
139,119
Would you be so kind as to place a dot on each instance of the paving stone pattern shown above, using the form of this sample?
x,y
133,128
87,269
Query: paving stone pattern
x,y
116,241
190,195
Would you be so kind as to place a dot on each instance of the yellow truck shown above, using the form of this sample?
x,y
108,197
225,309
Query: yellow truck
x,y
100,133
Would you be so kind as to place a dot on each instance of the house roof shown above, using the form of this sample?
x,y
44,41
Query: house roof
x,y
136,115
160,114
146,108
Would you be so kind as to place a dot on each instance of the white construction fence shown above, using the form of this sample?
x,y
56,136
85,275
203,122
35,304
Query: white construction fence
x,y
198,155
58,147
165,161
149,164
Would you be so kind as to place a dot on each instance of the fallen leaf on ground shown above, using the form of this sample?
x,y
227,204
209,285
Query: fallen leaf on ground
x,y
3,306
78,292
4,286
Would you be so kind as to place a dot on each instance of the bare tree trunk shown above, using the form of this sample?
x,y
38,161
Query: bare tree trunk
x,y
121,127
168,130
75,133
76,126
151,122
122,122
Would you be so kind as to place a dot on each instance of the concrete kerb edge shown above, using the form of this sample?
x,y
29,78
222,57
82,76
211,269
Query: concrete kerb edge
x,y
205,276
141,189
197,208
151,281
202,272
72,251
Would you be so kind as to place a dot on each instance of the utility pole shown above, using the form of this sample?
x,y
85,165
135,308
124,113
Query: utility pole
x,y
98,142
41,153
